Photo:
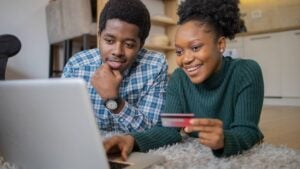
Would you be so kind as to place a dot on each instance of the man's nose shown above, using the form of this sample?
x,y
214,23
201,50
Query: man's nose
x,y
118,50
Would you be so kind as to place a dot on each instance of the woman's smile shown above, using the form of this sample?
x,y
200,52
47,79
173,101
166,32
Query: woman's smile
x,y
192,70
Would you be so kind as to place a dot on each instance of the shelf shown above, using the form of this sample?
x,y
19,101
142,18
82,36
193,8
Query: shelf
x,y
155,47
269,31
163,22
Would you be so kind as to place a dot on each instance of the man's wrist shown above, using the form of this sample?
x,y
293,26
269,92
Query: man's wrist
x,y
121,104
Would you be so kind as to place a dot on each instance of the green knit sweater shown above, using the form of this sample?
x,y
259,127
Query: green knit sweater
x,y
234,95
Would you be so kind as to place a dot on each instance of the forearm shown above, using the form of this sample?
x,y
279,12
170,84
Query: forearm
x,y
237,140
156,137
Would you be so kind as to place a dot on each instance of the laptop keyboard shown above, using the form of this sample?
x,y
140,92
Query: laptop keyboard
x,y
114,165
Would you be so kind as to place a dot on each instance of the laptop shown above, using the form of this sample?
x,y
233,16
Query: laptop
x,y
49,124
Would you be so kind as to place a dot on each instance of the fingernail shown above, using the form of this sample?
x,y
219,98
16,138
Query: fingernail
x,y
186,129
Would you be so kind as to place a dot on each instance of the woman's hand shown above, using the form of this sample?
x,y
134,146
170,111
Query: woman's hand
x,y
210,132
123,144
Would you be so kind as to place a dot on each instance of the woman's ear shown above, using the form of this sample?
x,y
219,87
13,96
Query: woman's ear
x,y
221,44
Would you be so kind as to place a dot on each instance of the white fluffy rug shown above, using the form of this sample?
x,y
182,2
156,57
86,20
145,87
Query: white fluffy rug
x,y
5,165
191,155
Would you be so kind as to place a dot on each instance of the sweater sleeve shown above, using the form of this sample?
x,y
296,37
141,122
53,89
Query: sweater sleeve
x,y
156,137
243,133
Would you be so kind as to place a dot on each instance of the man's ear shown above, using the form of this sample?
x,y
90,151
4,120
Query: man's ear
x,y
221,44
98,39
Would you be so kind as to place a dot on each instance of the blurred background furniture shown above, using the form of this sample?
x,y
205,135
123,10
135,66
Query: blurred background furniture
x,y
69,22
10,45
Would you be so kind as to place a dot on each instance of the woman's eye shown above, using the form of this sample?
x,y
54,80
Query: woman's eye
x,y
196,48
179,52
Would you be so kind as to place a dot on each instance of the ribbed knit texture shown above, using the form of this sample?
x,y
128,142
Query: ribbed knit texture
x,y
234,95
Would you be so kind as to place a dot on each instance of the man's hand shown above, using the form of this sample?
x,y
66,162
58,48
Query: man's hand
x,y
210,132
123,144
107,82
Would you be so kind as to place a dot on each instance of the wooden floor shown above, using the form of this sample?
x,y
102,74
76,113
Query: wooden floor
x,y
281,125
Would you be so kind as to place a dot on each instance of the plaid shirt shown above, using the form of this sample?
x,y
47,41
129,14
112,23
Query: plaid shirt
x,y
143,89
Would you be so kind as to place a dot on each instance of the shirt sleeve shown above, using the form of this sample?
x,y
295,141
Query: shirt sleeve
x,y
160,136
145,114
243,133
68,70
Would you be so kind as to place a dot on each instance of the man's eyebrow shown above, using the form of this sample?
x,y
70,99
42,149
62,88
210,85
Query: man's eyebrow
x,y
109,35
131,40
127,39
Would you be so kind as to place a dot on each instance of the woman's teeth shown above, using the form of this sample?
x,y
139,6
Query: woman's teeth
x,y
192,68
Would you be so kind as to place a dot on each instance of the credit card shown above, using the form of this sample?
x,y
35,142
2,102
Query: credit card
x,y
176,119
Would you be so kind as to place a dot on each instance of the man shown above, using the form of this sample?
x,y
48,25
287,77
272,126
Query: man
x,y
126,82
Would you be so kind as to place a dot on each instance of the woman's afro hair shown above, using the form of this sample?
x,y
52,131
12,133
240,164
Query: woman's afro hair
x,y
222,15
131,11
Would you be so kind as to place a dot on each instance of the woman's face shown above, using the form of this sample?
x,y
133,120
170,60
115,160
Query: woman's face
x,y
199,54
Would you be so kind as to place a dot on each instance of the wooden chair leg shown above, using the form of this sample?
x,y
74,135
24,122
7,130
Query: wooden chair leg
x,y
67,50
86,44
51,58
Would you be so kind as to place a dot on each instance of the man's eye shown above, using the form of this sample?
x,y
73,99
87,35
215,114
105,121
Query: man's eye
x,y
129,45
109,41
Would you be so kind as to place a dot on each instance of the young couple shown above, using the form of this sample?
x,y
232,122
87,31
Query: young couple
x,y
128,84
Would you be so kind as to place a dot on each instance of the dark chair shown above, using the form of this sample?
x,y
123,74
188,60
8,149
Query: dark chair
x,y
10,45
67,21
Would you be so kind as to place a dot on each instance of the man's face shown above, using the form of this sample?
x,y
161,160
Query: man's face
x,y
119,44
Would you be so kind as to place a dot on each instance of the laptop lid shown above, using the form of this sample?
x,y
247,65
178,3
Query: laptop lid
x,y
49,124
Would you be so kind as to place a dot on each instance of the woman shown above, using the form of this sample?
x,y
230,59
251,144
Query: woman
x,y
225,94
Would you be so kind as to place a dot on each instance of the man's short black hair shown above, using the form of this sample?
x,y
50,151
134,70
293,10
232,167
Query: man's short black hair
x,y
222,15
131,11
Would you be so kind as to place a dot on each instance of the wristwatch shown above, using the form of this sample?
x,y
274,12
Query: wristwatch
x,y
112,104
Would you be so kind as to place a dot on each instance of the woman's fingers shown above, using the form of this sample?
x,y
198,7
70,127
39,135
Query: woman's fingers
x,y
210,132
191,128
206,122
214,140
203,125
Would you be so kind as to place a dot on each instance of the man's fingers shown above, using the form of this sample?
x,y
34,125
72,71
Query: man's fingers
x,y
107,70
107,145
105,66
124,153
110,143
117,74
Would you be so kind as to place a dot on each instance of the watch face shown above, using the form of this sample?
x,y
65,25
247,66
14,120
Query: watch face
x,y
111,104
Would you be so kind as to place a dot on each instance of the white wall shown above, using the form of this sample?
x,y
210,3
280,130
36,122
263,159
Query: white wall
x,y
27,20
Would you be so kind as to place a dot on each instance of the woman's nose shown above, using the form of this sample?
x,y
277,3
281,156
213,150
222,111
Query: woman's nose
x,y
188,57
